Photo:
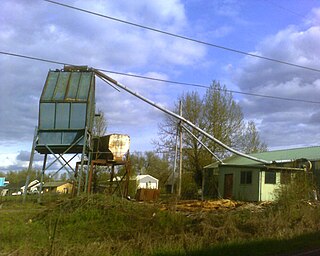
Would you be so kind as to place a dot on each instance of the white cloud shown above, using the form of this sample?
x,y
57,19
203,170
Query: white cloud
x,y
53,32
284,122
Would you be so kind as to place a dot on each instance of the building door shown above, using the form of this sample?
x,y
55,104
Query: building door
x,y
228,185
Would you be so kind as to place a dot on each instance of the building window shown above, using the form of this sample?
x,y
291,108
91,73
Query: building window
x,y
246,177
270,177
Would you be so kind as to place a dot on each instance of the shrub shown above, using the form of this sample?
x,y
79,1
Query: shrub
x,y
189,188
300,188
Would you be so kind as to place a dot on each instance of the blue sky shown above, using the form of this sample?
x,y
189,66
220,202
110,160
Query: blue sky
x,y
284,30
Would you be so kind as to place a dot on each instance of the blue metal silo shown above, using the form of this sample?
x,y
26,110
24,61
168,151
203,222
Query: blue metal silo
x,y
66,111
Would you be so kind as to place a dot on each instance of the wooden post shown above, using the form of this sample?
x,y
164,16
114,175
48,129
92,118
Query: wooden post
x,y
175,163
111,179
180,155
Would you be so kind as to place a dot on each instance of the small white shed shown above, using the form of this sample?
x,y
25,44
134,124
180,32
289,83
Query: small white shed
x,y
147,181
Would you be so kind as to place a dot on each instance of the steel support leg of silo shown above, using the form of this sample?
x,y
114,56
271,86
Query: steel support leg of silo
x,y
65,152
58,159
74,182
128,173
42,177
90,176
87,174
66,163
30,163
82,160
111,179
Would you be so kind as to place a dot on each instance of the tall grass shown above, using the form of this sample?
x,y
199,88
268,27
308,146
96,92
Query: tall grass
x,y
104,225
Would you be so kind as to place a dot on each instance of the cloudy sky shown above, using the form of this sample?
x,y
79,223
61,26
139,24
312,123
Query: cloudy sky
x,y
279,29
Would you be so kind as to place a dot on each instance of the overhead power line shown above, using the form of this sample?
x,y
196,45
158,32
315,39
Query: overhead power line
x,y
183,37
160,80
284,8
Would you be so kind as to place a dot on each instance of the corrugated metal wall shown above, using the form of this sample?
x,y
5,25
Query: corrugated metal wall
x,y
67,107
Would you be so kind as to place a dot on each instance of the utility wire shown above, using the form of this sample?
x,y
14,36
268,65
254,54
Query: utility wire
x,y
284,8
183,37
33,58
161,80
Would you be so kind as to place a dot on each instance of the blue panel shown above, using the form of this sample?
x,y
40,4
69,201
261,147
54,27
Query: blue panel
x,y
61,86
50,138
2,181
68,138
62,115
78,115
67,106
73,86
51,82
84,86
47,115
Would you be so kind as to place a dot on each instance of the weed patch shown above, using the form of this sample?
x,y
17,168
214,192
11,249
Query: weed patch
x,y
104,225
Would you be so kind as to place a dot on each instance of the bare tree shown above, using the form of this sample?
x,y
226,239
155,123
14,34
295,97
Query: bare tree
x,y
218,114
100,124
251,140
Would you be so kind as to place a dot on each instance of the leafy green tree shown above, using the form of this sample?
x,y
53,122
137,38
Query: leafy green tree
x,y
15,177
150,163
218,114
63,176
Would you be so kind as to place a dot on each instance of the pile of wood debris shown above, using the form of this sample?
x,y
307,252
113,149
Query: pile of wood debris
x,y
203,206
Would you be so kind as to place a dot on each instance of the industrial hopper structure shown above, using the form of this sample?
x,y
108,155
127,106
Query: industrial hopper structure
x,y
66,111
111,150
66,118
65,125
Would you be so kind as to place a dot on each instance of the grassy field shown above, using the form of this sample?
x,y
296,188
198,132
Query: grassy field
x,y
105,225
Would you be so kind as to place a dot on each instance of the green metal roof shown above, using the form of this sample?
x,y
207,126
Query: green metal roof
x,y
310,153
54,184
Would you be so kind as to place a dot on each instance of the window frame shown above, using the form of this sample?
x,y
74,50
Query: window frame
x,y
270,177
245,177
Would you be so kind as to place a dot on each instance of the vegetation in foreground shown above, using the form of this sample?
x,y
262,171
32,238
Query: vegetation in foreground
x,y
104,225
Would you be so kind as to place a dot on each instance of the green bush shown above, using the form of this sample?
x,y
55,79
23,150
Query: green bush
x,y
301,187
189,188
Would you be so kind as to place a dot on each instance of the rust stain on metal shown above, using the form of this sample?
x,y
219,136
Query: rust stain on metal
x,y
119,145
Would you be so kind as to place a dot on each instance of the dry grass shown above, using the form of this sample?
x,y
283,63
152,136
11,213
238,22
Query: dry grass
x,y
101,225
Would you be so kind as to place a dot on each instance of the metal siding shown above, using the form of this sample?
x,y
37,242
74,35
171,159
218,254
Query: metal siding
x,y
47,116
78,115
61,86
62,115
50,138
84,86
73,86
50,85
91,105
269,191
247,192
69,138
119,145
67,107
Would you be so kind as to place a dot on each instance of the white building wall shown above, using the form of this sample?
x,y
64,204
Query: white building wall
x,y
147,181
269,191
